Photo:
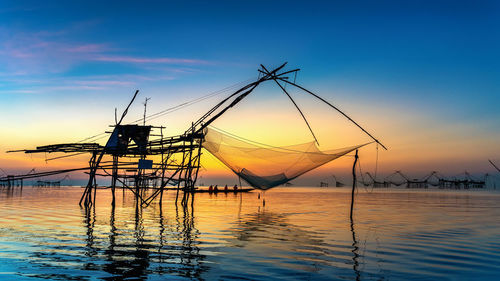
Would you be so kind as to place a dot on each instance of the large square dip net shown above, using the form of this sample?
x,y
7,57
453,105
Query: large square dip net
x,y
263,166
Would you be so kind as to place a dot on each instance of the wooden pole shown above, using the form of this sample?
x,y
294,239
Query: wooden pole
x,y
298,108
95,161
334,107
88,189
162,168
180,169
113,179
353,182
137,183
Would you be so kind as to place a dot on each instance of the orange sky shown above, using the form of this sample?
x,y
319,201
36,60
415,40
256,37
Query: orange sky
x,y
418,143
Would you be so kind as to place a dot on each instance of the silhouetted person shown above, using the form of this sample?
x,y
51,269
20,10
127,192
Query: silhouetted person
x,y
215,188
235,187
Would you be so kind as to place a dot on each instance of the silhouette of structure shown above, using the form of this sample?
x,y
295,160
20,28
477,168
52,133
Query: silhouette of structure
x,y
129,146
48,183
11,181
393,179
336,182
463,181
376,183
433,179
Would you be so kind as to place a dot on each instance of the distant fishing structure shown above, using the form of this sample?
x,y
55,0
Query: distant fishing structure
x,y
129,146
11,181
461,181
325,182
49,183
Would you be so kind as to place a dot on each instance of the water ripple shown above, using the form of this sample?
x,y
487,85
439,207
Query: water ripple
x,y
301,234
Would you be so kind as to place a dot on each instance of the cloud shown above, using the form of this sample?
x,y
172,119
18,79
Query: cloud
x,y
43,60
27,85
87,48
141,60
18,92
105,83
51,52
31,54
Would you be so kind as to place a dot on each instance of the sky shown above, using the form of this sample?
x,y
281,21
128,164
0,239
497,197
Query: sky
x,y
422,76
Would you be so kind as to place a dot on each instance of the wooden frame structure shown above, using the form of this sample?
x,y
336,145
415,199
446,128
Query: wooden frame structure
x,y
129,146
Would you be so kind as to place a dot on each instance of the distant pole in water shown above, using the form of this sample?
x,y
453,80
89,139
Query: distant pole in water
x,y
353,181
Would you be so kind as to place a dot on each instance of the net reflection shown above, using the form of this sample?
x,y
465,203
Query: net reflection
x,y
272,236
270,240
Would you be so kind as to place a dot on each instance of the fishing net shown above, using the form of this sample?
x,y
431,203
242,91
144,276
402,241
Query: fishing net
x,y
264,166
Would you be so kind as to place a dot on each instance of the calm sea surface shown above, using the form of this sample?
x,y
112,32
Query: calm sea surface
x,y
300,234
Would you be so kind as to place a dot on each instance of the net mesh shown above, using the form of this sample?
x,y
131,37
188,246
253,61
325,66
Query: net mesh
x,y
263,166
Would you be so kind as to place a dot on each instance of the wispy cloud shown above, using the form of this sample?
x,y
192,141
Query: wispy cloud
x,y
52,52
87,48
30,54
72,88
104,83
140,60
24,85
18,91
43,60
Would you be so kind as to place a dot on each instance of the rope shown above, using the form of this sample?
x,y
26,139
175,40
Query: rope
x,y
361,172
262,145
172,109
363,178
88,138
65,156
94,138
191,102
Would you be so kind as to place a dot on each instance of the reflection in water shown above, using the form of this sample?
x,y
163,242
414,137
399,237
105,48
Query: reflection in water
x,y
272,235
176,251
302,234
355,250
9,192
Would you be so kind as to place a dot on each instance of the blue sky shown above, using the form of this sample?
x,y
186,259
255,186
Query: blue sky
x,y
432,64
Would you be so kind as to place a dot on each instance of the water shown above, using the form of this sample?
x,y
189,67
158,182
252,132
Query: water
x,y
300,234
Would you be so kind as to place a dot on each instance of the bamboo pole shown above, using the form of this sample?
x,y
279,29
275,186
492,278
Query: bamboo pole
x,y
334,107
162,184
180,173
353,182
298,108
113,179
